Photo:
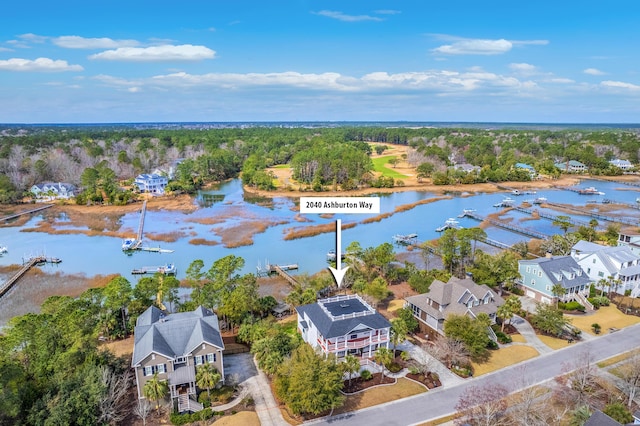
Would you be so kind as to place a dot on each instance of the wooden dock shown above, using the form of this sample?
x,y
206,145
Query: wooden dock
x,y
143,212
280,270
509,227
624,220
28,265
549,216
13,216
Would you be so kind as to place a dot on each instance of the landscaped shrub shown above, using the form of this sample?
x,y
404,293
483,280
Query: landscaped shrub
x,y
463,372
596,328
366,375
204,399
503,338
598,301
571,306
414,370
492,345
394,367
183,419
405,356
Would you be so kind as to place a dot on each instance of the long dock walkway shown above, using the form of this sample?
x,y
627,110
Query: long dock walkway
x,y
634,206
280,270
622,182
141,222
625,220
30,263
13,216
549,216
509,227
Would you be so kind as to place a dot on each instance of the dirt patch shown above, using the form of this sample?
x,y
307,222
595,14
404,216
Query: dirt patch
x,y
123,347
243,418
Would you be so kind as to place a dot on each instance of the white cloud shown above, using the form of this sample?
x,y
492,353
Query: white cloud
x,y
167,52
560,80
134,89
387,12
33,38
347,18
462,46
619,85
77,42
475,47
593,71
37,65
5,49
523,68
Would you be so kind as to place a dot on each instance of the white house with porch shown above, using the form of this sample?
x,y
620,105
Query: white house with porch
x,y
343,325
152,183
618,265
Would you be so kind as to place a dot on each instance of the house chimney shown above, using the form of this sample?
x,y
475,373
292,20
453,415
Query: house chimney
x,y
548,255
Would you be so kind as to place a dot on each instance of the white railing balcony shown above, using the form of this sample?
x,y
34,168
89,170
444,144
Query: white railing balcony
x,y
356,343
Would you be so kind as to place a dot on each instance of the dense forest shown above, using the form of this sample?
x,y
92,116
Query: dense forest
x,y
102,160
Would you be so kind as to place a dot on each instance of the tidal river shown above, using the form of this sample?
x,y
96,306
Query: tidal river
x,y
228,207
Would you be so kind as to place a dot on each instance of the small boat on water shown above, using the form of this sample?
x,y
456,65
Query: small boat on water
x,y
516,192
129,244
530,192
539,200
590,191
405,239
168,269
3,249
507,202
331,256
450,223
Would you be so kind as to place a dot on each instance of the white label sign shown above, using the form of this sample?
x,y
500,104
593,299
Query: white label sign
x,y
340,205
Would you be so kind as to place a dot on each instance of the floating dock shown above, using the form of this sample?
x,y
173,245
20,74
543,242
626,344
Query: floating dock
x,y
408,240
169,269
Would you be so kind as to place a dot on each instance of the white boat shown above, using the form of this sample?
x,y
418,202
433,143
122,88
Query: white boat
x,y
539,200
507,202
466,212
405,239
3,249
516,192
129,244
450,223
168,269
331,256
590,191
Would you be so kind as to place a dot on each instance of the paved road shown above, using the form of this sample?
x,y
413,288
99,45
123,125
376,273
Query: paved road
x,y
441,402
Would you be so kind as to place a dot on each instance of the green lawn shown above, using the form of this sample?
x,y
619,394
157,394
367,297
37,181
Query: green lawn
x,y
381,165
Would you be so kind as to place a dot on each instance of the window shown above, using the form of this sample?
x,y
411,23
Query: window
x,y
588,270
528,268
161,368
353,336
594,261
199,359
548,288
533,282
601,274
148,371
211,358
539,273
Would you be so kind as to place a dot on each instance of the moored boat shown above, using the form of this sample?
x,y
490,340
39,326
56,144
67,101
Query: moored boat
x,y
450,223
539,200
129,244
3,249
507,202
331,256
405,239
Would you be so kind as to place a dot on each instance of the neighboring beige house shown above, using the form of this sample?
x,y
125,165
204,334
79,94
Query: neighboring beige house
x,y
173,346
457,296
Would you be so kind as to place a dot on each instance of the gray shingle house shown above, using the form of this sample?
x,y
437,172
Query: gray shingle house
x,y
53,190
457,296
343,325
173,346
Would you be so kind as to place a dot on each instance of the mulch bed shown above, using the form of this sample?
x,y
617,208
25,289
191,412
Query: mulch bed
x,y
426,380
357,384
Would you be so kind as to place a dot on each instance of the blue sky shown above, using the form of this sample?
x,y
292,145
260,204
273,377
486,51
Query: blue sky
x,y
213,60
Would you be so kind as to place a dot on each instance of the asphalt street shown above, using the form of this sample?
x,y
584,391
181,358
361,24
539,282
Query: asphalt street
x,y
440,402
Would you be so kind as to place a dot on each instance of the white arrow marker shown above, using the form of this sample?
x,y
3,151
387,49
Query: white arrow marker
x,y
338,272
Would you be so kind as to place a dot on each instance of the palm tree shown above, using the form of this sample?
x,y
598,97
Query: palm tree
x,y
383,356
505,313
350,365
399,331
156,389
558,291
207,377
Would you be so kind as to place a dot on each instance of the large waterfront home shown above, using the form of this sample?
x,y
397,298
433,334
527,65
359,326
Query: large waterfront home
x,y
522,166
538,276
173,346
152,183
457,296
571,166
343,325
619,265
622,164
53,190
629,239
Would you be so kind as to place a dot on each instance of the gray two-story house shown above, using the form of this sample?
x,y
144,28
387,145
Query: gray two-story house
x,y
173,346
